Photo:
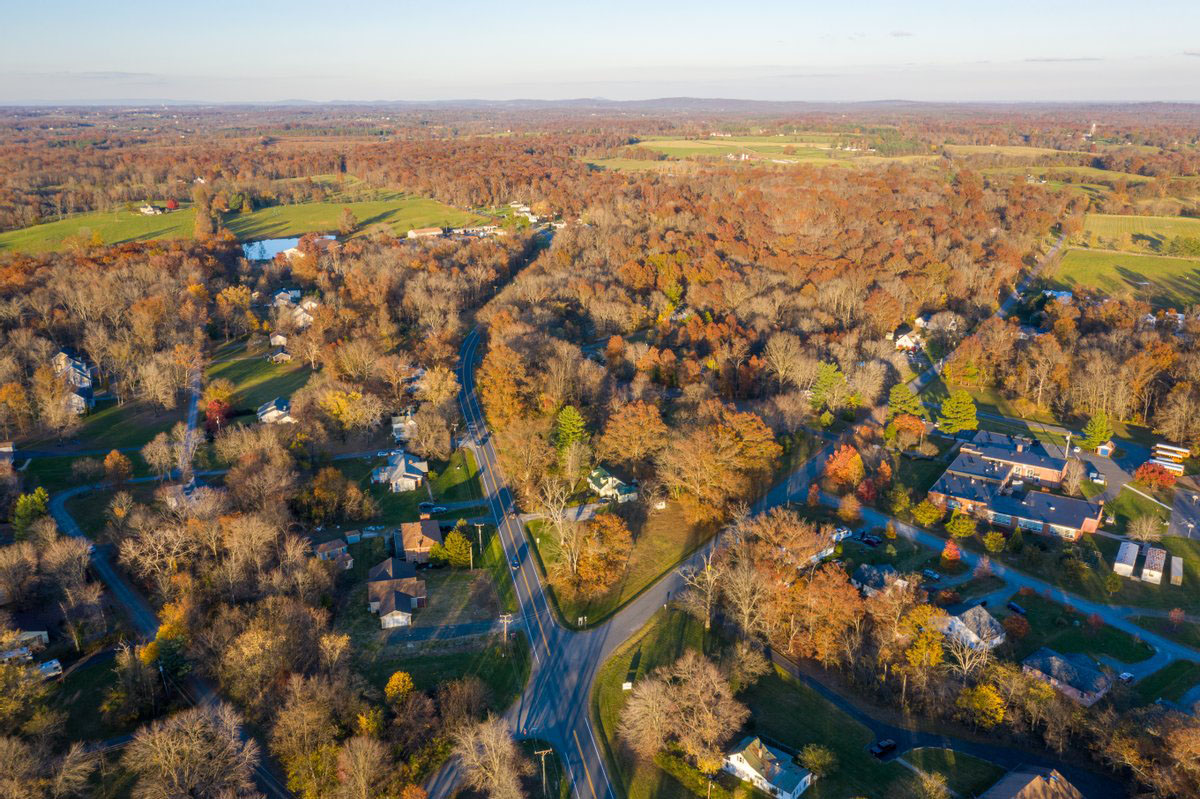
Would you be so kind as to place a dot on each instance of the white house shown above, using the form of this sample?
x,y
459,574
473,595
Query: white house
x,y
1126,559
976,628
75,371
285,297
276,412
149,210
909,341
1061,296
278,340
609,487
403,472
770,770
395,610
302,314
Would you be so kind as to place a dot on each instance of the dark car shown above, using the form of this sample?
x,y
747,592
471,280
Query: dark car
x,y
872,541
424,506
880,748
516,564
1015,608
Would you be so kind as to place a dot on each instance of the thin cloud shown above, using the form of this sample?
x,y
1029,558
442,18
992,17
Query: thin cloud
x,y
1193,53
1060,60
902,34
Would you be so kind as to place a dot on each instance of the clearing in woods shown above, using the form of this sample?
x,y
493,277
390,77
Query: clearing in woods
x,y
1138,233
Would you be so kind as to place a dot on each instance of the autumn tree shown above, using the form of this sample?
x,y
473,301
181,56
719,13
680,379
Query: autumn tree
x,y
607,542
501,380
961,525
845,468
634,433
347,222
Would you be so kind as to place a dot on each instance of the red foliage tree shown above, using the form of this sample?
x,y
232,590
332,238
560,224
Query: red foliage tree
x,y
1154,475
951,553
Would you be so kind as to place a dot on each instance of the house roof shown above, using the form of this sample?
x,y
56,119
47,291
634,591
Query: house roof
x,y
278,404
980,622
420,535
1013,449
1063,511
401,465
331,546
393,601
1032,783
378,589
774,765
392,568
873,576
1076,671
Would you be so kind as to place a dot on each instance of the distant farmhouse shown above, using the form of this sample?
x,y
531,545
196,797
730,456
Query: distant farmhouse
x,y
277,411
1074,676
425,233
770,770
995,477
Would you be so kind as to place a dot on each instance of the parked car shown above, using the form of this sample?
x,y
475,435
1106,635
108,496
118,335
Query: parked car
x,y
383,453
930,574
438,509
881,748
1098,478
424,506
1015,608
872,541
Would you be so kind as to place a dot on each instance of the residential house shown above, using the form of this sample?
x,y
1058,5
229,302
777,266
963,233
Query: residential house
x,y
1126,560
768,769
976,628
302,314
336,550
277,411
425,233
1032,783
391,576
79,402
1060,296
395,610
78,374
418,539
1074,676
285,298
279,355
871,579
606,486
403,426
402,472
150,210
1152,569
278,340
907,339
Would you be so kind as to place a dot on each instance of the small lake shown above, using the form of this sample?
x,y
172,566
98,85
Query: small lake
x,y
266,249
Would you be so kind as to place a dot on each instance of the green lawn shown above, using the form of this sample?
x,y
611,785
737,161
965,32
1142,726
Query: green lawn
x,y
1171,682
80,695
130,424
662,542
1129,505
967,776
397,212
503,669
1186,632
256,380
1160,281
1138,233
456,480
1067,631
458,596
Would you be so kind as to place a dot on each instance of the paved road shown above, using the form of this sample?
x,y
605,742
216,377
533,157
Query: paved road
x,y
925,378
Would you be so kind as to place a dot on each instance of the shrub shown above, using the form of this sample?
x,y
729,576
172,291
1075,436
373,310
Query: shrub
x,y
1016,626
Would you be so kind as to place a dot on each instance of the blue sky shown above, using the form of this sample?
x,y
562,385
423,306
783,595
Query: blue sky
x,y
268,50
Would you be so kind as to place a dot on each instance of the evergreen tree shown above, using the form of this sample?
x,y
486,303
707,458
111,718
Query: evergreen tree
x,y
901,399
569,427
829,376
958,413
1096,431
458,550
29,508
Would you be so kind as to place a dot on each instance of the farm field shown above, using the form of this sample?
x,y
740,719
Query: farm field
x,y
1090,172
397,212
1003,149
1137,233
638,165
1162,282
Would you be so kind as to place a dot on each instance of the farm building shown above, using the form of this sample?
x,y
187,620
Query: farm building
x,y
1126,559
424,232
1152,569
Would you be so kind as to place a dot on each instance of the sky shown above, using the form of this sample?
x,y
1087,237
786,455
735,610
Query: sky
x,y
824,51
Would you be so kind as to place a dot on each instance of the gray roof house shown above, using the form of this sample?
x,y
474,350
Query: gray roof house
x,y
976,628
769,769
1074,676
871,579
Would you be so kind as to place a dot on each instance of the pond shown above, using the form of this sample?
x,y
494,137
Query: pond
x,y
266,249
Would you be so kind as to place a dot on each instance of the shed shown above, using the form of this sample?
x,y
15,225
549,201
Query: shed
x,y
1126,559
1105,449
1152,570
1176,570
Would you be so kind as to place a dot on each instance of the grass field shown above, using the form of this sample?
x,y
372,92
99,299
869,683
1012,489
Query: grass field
x,y
397,212
1137,233
456,480
1090,173
1160,281
1066,630
662,542
967,776
1171,682
1186,632
1129,505
256,380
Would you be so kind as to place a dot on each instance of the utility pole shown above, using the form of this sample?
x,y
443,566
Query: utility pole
x,y
506,619
542,754
479,536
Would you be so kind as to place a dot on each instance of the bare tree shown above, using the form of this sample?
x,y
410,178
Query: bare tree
x,y
1146,529
646,719
30,772
158,456
703,581
964,659
1073,476
489,758
362,767
198,753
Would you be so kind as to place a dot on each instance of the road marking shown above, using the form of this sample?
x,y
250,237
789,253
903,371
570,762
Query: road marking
x,y
596,749
583,760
